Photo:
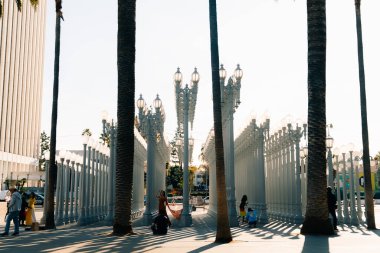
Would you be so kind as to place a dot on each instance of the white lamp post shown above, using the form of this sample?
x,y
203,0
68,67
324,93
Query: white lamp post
x,y
329,145
346,218
336,152
186,99
357,158
83,184
261,130
296,135
354,218
230,99
151,127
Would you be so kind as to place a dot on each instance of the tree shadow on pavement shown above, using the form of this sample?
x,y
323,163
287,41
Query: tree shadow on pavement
x,y
318,244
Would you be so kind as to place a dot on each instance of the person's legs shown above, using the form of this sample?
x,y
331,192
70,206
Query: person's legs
x,y
16,222
7,223
335,220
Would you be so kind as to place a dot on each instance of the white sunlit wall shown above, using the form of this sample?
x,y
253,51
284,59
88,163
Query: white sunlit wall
x,y
209,158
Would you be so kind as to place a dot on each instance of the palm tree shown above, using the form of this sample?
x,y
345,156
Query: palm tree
x,y
223,232
316,217
34,3
370,212
126,55
52,179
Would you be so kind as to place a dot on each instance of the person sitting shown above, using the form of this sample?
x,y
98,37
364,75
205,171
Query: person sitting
x,y
160,225
251,217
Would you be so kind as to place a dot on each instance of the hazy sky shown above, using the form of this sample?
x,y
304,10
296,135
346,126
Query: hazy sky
x,y
267,38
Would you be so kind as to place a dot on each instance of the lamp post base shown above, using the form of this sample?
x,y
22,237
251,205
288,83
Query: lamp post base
x,y
148,219
186,220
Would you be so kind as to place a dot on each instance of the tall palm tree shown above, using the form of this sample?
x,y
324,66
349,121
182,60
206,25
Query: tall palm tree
x,y
223,232
370,211
126,55
316,217
52,178
34,3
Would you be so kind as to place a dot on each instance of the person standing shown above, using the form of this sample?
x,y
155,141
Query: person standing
x,y
243,204
30,215
14,212
162,203
331,203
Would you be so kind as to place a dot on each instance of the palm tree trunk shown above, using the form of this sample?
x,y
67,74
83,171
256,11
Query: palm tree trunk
x,y
316,217
370,211
223,233
54,115
126,55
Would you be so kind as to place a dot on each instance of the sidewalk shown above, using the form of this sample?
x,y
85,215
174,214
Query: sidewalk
x,y
273,237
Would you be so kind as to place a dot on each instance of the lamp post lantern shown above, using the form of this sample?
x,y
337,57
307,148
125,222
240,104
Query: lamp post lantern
x,y
186,98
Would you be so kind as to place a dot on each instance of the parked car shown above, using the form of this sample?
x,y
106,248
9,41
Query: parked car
x,y
3,194
39,199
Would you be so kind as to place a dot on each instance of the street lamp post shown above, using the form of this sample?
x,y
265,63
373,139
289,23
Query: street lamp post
x,y
186,100
296,135
358,199
230,100
336,152
83,184
110,131
151,126
346,217
261,130
354,218
329,145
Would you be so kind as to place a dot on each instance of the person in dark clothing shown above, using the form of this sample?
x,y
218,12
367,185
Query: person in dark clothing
x,y
24,205
160,225
331,202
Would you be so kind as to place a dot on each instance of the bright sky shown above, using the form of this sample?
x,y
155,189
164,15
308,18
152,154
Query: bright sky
x,y
267,38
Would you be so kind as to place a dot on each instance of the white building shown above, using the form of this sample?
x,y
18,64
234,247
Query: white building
x,y
22,38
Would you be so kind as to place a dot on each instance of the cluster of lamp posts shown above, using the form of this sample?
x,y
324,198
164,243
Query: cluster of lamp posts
x,y
271,169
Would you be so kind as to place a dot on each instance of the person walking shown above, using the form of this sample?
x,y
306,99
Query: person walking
x,y
331,203
14,212
30,215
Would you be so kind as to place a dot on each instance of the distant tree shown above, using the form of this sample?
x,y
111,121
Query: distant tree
x,y
87,131
44,146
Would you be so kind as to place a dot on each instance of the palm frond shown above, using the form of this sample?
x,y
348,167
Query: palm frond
x,y
19,4
1,8
34,3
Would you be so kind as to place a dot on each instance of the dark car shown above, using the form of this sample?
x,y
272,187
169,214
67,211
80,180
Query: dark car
x,y
39,199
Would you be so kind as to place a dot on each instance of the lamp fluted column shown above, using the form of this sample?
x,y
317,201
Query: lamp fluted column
x,y
354,218
331,169
43,219
346,218
82,220
59,194
111,163
67,191
186,219
149,173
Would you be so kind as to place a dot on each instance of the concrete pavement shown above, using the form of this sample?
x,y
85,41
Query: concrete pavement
x,y
273,237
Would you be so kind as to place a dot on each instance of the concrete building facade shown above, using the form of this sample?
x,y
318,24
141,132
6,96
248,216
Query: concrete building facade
x,y
22,38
